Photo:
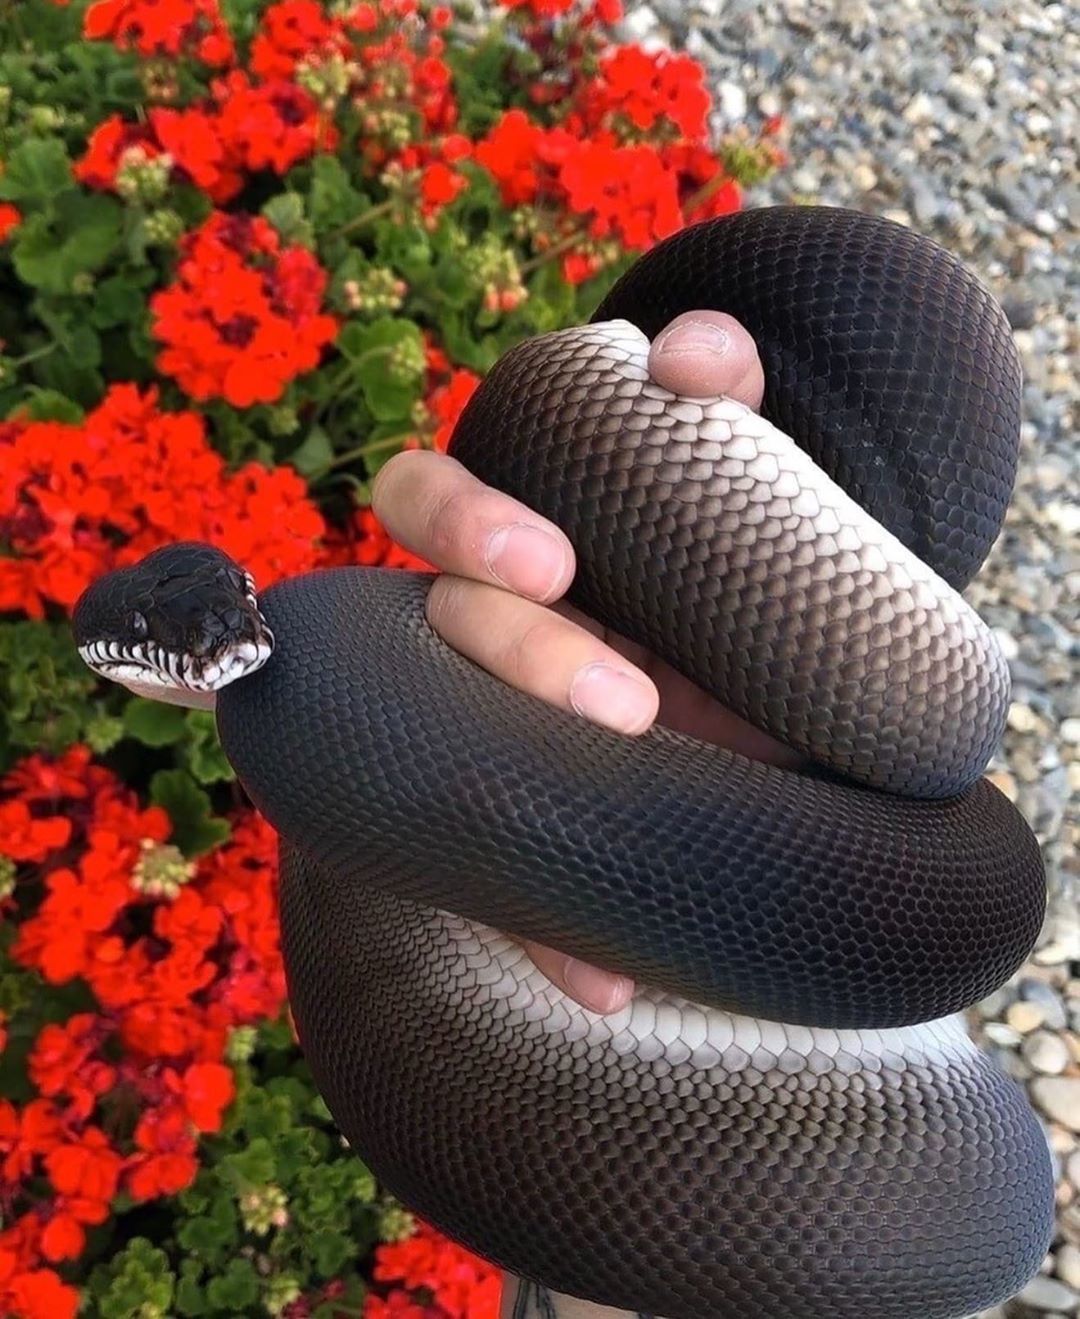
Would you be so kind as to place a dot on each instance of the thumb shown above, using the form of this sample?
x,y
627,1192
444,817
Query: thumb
x,y
705,353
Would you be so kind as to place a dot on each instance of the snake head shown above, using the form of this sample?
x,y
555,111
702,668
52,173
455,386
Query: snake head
x,y
177,626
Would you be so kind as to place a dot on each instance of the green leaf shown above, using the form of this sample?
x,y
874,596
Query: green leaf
x,y
190,1297
286,213
135,1282
46,691
315,454
118,301
48,405
332,200
153,723
331,1251
202,751
237,1288
368,347
253,1166
37,171
80,237
212,1236
406,247
195,827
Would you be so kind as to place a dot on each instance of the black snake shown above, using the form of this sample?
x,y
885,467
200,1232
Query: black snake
x,y
789,1121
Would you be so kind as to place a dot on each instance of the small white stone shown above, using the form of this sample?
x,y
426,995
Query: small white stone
x,y
732,101
1059,1099
1048,1294
1067,1265
1024,1016
1045,1052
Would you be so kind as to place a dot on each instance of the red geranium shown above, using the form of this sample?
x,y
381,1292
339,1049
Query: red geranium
x,y
243,317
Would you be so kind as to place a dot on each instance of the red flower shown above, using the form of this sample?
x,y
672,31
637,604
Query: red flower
x,y
33,1293
10,219
25,1135
239,323
207,1089
62,1062
438,186
645,87
294,31
25,837
627,191
270,126
162,27
165,1160
193,139
87,1168
509,152
463,1285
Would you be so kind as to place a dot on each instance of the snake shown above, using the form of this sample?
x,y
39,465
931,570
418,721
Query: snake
x,y
790,1118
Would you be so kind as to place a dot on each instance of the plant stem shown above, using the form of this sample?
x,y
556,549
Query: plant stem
x,y
35,355
563,245
372,213
704,192
362,451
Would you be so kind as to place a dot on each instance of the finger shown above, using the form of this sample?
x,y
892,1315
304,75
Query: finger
x,y
538,651
599,991
705,353
432,505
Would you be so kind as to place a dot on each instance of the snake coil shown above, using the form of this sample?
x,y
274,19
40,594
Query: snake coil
x,y
789,1119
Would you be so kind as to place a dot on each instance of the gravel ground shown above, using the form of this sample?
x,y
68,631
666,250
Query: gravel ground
x,y
962,120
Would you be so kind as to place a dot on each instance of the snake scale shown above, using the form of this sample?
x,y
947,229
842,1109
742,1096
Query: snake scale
x,y
789,1120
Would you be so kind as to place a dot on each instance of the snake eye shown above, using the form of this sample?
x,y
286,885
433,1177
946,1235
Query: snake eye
x,y
139,625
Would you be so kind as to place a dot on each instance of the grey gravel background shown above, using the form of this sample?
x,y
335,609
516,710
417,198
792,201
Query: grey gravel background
x,y
963,121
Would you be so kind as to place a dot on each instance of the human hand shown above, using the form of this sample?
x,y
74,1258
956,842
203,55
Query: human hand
x,y
505,569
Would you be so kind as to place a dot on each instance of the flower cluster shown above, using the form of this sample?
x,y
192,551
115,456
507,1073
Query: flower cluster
x,y
244,316
171,972
459,1285
77,500
162,27
255,249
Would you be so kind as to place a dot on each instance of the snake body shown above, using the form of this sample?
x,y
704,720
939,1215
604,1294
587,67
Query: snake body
x,y
789,1119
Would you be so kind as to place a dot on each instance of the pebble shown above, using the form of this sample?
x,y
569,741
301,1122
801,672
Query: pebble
x,y
1059,1099
1049,1294
1024,1016
998,1033
1067,1264
1048,999
1045,1052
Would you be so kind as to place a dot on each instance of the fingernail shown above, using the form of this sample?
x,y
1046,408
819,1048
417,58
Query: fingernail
x,y
525,559
610,696
593,988
693,337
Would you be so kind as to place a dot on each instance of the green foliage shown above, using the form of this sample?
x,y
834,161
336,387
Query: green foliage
x,y
47,694
277,1149
196,829
136,1283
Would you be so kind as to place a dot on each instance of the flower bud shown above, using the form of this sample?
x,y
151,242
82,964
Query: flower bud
x,y
162,870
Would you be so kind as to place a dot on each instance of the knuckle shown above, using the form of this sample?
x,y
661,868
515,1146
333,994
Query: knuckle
x,y
452,518
533,651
